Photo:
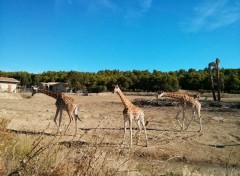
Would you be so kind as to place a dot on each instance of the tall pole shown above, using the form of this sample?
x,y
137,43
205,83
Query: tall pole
x,y
218,79
212,64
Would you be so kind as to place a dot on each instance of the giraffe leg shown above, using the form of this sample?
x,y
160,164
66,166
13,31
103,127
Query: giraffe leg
x,y
75,118
72,114
177,117
55,120
125,129
193,117
70,120
145,131
139,132
200,120
60,119
146,138
183,120
130,128
144,127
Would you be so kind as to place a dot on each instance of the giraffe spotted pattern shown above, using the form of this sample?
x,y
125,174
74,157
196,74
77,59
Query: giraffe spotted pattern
x,y
186,102
63,102
130,113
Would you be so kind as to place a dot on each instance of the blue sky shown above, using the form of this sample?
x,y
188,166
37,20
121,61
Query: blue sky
x,y
93,35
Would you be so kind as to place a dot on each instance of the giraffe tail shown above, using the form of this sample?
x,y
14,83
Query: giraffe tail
x,y
146,123
79,118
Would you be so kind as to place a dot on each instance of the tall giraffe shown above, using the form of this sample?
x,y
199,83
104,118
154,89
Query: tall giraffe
x,y
130,113
63,102
186,102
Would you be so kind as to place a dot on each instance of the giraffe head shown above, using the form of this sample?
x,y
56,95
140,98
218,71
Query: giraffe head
x,y
196,96
116,88
34,90
159,94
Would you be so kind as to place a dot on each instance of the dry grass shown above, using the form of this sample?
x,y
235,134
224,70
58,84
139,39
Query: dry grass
x,y
41,155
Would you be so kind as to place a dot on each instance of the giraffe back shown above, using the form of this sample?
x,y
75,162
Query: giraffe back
x,y
133,109
62,101
67,103
185,100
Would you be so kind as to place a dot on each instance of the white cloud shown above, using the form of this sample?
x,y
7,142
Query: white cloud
x,y
213,14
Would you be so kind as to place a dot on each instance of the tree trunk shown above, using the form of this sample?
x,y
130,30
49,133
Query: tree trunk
x,y
213,91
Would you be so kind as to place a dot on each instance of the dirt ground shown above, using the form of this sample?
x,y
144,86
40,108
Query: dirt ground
x,y
216,150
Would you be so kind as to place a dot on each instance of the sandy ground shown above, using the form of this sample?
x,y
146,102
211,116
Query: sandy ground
x,y
215,150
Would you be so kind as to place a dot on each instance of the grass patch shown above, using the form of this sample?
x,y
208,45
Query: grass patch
x,y
45,155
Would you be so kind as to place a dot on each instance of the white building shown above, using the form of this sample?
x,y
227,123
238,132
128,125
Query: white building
x,y
8,84
53,86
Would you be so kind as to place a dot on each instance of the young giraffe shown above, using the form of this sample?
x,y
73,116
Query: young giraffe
x,y
130,113
187,102
63,102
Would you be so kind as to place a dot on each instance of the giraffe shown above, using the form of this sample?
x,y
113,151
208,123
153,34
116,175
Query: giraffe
x,y
130,113
186,102
63,102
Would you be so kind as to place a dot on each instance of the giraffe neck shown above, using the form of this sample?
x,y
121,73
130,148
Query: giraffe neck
x,y
55,95
174,95
125,101
184,98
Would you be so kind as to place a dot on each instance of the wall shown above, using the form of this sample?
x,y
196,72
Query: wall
x,y
8,87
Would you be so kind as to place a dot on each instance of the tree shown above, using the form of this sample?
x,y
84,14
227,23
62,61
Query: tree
x,y
215,65
232,80
134,80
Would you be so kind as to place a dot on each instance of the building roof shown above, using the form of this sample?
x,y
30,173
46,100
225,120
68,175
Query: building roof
x,y
6,79
52,83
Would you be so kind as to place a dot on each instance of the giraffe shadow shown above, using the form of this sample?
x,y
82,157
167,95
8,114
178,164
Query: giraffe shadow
x,y
70,144
166,130
67,144
177,128
121,129
88,129
223,145
31,132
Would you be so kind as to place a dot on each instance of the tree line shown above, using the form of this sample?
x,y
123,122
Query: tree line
x,y
135,80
